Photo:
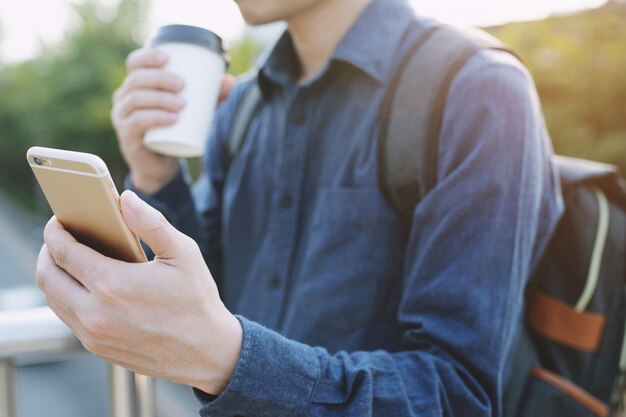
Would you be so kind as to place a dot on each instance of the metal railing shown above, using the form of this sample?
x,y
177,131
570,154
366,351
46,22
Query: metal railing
x,y
36,335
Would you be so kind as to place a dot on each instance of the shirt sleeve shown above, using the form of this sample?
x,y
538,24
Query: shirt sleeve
x,y
471,248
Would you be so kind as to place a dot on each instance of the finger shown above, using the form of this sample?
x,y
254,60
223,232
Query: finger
x,y
154,79
81,262
228,83
146,58
58,286
150,225
149,79
150,99
139,121
70,320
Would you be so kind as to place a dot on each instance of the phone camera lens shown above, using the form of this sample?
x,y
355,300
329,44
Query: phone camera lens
x,y
37,160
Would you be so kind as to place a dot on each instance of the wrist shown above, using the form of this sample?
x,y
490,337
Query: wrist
x,y
150,185
229,340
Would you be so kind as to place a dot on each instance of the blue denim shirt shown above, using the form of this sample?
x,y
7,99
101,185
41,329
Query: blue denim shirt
x,y
345,311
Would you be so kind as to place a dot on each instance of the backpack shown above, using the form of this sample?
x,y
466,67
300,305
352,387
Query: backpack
x,y
571,357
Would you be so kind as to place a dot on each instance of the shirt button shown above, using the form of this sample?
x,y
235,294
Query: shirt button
x,y
286,200
273,283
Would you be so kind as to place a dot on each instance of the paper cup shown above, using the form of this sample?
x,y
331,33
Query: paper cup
x,y
197,56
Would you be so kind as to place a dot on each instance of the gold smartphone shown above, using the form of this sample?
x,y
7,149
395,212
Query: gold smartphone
x,y
82,195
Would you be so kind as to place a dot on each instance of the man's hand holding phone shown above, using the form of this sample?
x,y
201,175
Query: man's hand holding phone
x,y
163,318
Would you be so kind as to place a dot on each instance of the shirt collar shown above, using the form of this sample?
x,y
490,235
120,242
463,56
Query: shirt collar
x,y
281,66
372,42
369,45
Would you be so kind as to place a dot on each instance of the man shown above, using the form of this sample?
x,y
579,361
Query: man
x,y
340,310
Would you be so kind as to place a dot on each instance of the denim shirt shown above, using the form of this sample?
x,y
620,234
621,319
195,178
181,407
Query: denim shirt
x,y
346,310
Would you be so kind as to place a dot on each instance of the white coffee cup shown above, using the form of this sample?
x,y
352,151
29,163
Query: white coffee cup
x,y
197,56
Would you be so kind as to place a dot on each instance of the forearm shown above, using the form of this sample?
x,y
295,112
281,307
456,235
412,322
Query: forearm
x,y
277,376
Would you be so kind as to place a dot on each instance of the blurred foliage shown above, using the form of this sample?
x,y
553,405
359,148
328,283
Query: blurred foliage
x,y
578,62
63,97
243,55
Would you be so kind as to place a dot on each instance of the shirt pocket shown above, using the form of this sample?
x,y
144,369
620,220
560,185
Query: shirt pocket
x,y
356,224
352,263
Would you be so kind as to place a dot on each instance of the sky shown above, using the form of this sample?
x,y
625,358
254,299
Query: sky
x,y
23,31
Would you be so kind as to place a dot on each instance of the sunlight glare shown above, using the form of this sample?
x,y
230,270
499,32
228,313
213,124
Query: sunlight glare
x,y
492,12
22,31
220,16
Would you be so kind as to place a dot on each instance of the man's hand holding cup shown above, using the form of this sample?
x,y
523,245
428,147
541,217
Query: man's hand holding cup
x,y
163,109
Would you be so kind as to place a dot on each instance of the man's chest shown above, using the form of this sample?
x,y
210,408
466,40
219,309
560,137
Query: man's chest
x,y
326,245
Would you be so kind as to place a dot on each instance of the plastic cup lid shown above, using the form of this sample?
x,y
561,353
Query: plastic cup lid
x,y
189,34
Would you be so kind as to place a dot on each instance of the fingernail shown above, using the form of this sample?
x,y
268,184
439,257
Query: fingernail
x,y
180,102
132,201
160,56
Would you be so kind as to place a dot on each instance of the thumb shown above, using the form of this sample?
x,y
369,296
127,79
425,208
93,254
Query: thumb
x,y
228,83
150,225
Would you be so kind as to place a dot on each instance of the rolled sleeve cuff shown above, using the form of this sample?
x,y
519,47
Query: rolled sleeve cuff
x,y
274,376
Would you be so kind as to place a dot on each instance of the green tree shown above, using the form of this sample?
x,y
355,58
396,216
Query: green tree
x,y
578,62
62,98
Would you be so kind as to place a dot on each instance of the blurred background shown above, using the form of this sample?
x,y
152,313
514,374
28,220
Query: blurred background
x,y
60,61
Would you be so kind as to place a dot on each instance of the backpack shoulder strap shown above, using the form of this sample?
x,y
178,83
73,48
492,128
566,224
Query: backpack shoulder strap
x,y
410,116
412,111
249,105
575,172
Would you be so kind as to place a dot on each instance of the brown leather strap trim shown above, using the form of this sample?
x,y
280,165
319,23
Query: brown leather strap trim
x,y
561,323
572,390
